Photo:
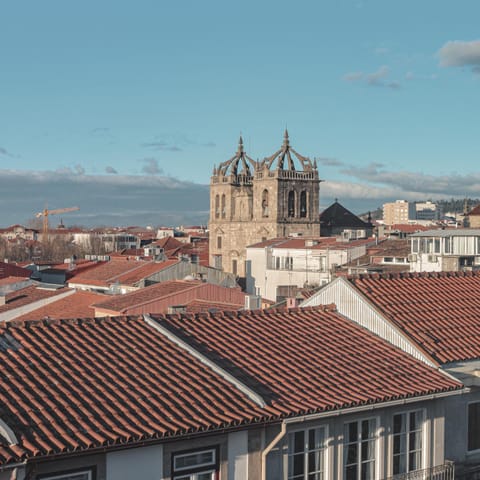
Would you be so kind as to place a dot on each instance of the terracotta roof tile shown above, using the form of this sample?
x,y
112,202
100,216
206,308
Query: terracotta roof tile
x,y
60,394
77,305
306,360
28,295
439,311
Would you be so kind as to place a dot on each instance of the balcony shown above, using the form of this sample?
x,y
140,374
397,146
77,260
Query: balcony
x,y
440,472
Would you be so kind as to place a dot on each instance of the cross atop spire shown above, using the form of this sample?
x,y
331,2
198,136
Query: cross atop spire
x,y
286,141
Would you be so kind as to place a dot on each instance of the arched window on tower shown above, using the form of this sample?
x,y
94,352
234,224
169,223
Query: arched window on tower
x,y
217,206
224,212
303,204
265,203
291,203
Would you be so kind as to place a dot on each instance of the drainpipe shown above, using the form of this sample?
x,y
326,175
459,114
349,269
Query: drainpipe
x,y
269,447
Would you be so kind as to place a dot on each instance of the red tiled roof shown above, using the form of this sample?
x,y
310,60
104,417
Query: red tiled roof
x,y
12,280
9,270
118,269
204,306
77,305
153,299
28,295
439,311
60,394
407,228
306,360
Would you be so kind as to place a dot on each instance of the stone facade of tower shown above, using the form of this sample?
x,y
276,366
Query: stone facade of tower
x,y
252,201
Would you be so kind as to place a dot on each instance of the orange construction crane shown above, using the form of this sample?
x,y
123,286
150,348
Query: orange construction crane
x,y
46,212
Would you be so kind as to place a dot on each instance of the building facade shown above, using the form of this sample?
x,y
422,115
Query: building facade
x,y
398,212
251,201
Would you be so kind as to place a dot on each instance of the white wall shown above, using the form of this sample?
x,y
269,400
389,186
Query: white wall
x,y
145,463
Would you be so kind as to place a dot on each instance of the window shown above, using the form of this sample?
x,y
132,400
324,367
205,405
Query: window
x,y
436,245
219,242
265,203
415,245
359,450
234,267
407,442
306,454
291,203
224,212
85,474
217,206
303,204
448,245
195,465
217,261
474,426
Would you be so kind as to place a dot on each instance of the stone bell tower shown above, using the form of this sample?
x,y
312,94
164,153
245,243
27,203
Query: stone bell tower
x,y
253,201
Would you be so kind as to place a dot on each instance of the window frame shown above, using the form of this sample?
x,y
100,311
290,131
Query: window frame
x,y
210,467
323,450
62,474
407,433
476,450
358,443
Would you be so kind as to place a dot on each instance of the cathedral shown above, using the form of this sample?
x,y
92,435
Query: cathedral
x,y
252,201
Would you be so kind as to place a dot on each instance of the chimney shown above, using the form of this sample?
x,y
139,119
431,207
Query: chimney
x,y
253,302
292,302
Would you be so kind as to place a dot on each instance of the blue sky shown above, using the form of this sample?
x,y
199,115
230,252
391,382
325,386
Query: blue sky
x,y
386,94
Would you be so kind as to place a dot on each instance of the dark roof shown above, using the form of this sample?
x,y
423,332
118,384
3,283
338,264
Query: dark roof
x,y
76,385
438,311
336,215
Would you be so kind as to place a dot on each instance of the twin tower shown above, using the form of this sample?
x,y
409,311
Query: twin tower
x,y
252,201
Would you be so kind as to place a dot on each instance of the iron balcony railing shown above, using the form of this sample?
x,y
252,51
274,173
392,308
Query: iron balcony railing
x,y
440,472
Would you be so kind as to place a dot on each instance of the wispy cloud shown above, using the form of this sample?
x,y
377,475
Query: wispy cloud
x,y
378,78
151,166
329,162
381,51
6,153
162,146
461,54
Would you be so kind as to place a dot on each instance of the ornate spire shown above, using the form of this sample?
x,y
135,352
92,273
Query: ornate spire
x,y
239,164
285,160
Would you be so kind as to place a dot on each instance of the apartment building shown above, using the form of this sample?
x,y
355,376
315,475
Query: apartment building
x,y
398,212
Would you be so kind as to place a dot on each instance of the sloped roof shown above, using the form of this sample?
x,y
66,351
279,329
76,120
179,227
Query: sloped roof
x,y
76,305
306,360
336,215
122,270
10,270
59,392
27,295
438,311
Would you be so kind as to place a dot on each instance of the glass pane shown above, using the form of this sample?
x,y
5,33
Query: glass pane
x,y
368,450
298,464
351,472
415,421
206,475
399,464
474,426
415,441
351,432
368,429
414,461
315,438
399,423
194,459
352,456
314,462
367,471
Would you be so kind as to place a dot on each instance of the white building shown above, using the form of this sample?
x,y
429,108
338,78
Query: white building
x,y
445,250
276,268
